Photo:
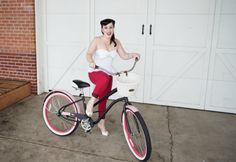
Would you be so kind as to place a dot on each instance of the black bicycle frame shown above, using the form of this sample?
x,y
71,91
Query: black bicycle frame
x,y
125,99
113,91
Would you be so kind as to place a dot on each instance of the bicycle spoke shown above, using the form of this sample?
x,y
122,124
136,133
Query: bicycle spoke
x,y
59,124
67,121
136,135
50,108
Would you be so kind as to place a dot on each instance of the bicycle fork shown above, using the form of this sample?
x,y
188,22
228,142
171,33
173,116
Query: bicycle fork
x,y
127,121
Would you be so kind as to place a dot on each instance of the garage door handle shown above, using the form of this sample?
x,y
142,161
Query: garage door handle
x,y
143,29
150,29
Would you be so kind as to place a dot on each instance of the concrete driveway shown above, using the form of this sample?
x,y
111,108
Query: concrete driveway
x,y
177,134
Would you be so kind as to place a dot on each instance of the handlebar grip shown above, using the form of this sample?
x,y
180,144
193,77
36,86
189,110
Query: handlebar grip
x,y
96,67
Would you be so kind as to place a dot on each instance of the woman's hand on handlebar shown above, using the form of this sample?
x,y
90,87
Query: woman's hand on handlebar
x,y
136,56
92,65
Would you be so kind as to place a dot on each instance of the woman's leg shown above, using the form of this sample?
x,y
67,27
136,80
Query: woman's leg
x,y
103,104
103,83
102,108
89,108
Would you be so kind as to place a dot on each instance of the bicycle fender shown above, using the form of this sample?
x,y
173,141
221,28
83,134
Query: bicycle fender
x,y
131,107
50,92
67,93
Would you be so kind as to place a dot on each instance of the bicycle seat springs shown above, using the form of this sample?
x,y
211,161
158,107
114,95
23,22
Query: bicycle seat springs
x,y
87,124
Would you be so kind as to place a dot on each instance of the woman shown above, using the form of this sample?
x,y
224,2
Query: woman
x,y
101,52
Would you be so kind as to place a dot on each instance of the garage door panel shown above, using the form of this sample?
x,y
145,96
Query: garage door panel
x,y
222,91
225,67
65,6
227,32
222,84
177,7
61,81
171,92
172,62
177,85
63,56
227,91
181,30
66,63
228,7
121,6
67,28
178,76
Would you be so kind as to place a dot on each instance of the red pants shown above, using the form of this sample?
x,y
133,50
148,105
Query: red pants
x,y
103,84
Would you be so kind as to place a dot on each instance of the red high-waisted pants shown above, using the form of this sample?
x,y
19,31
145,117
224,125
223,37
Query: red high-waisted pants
x,y
103,84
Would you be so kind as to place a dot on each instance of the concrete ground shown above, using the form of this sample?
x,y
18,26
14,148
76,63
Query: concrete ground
x,y
178,135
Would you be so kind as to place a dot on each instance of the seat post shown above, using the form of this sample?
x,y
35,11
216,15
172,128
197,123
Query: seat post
x,y
82,91
83,98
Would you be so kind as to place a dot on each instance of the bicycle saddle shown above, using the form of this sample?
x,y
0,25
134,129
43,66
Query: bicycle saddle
x,y
81,84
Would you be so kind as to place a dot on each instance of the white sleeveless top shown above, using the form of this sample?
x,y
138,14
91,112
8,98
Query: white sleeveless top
x,y
104,59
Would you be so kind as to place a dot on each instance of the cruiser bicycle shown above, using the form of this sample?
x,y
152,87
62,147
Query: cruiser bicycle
x,y
62,113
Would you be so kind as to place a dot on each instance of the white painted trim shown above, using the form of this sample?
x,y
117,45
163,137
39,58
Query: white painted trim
x,y
40,50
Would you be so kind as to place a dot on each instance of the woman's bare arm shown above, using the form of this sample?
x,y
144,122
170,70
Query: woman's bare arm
x,y
89,56
123,54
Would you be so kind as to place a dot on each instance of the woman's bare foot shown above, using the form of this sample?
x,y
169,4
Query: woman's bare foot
x,y
102,127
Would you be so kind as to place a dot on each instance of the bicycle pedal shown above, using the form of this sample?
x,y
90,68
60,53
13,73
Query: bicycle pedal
x,y
88,131
86,124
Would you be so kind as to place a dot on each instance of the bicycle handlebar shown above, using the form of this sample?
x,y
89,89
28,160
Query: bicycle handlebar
x,y
118,73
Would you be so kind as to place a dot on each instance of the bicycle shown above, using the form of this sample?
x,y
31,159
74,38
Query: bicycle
x,y
62,115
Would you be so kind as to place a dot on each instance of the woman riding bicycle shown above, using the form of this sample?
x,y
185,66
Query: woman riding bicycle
x,y
101,52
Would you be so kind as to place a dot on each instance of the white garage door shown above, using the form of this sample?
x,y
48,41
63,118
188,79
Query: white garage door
x,y
67,29
179,51
221,89
188,47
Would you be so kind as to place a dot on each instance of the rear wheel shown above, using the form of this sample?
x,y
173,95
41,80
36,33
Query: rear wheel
x,y
60,123
136,134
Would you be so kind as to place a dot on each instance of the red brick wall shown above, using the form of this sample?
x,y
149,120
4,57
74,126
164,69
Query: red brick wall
x,y
17,41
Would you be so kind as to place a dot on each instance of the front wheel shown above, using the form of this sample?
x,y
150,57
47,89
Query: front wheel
x,y
136,134
55,120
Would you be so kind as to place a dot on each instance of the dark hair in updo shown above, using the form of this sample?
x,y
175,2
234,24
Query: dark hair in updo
x,y
104,23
